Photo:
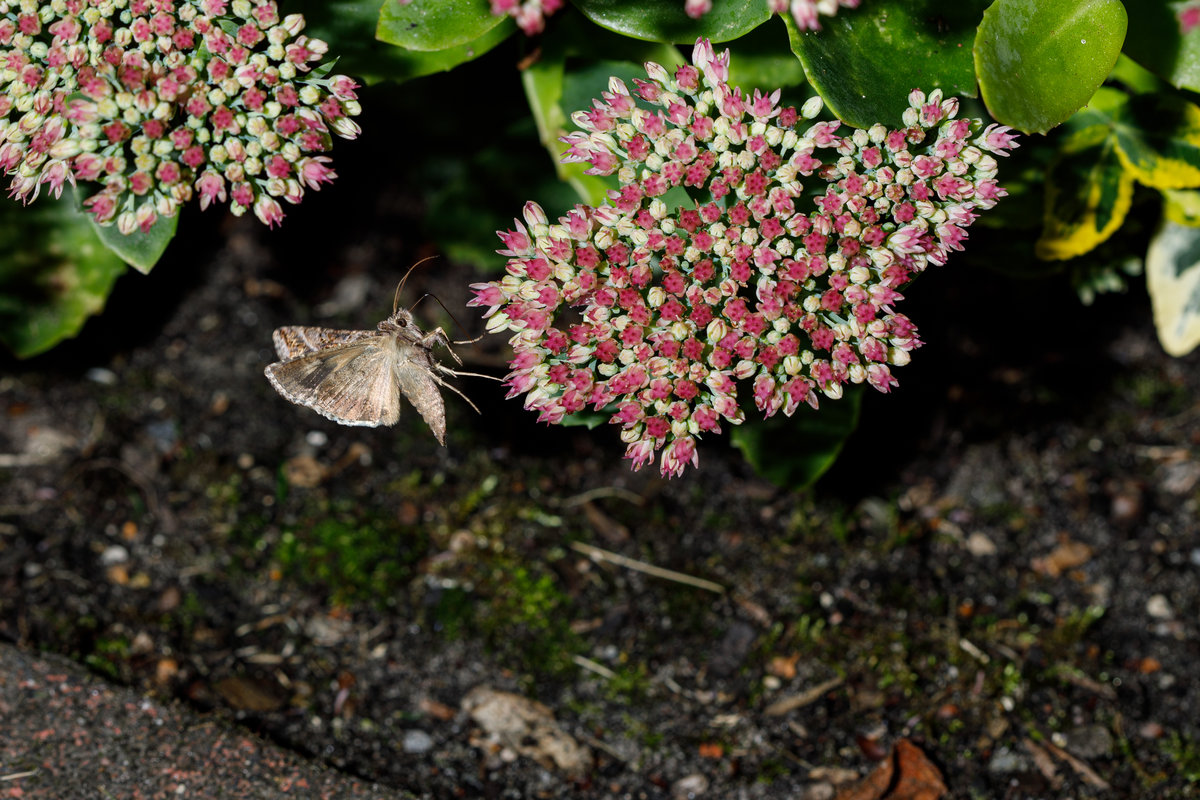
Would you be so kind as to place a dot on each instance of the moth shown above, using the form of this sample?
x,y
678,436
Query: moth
x,y
357,377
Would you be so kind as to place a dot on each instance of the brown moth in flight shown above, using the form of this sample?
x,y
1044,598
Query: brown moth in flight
x,y
356,377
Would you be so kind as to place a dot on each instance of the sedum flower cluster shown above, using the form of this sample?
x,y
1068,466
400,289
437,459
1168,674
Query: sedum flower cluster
x,y
804,12
530,15
779,273
158,101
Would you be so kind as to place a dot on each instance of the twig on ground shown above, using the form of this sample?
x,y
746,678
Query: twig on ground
x,y
598,554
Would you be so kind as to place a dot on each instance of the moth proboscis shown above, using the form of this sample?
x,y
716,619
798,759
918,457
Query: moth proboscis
x,y
357,377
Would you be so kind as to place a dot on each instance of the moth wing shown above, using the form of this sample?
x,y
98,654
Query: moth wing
x,y
414,375
293,341
351,384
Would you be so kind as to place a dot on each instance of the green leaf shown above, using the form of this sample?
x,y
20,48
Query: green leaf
x,y
586,419
1173,280
1040,60
414,64
429,25
544,84
54,274
1088,194
349,27
665,20
794,451
1157,42
574,69
139,250
865,62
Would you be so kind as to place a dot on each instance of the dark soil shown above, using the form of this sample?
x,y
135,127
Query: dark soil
x,y
1003,568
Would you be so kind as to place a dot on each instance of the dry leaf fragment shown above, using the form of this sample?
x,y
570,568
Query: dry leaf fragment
x,y
907,775
250,694
1068,555
528,728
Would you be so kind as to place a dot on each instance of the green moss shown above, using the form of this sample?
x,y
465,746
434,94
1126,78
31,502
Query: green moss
x,y
1184,752
109,654
528,620
350,559
631,682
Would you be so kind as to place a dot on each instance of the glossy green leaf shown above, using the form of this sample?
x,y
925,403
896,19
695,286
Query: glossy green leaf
x,y
794,451
1088,194
1157,42
54,274
428,25
1173,280
1039,61
139,250
349,26
665,20
865,62
414,63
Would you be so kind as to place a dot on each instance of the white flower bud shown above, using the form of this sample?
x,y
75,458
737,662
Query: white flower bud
x,y
744,369
716,331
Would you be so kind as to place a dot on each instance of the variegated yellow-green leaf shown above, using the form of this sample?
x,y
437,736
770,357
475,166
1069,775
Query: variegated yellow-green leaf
x,y
1182,206
1088,193
1158,137
1173,279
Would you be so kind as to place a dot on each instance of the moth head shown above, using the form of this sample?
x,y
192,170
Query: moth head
x,y
400,320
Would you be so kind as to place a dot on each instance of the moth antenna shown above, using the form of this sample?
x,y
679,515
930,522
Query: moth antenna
x,y
400,287
438,300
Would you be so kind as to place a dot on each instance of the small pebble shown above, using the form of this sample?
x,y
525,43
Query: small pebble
x,y
690,786
1158,607
102,376
115,554
979,545
316,439
417,741
820,791
1090,741
1007,762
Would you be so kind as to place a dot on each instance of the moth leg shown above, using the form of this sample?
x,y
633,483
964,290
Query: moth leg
x,y
454,388
438,336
